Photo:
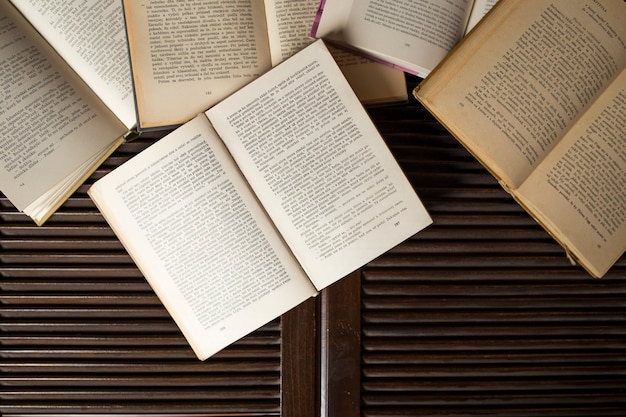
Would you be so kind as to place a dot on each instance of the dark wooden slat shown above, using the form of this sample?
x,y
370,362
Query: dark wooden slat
x,y
175,381
130,405
299,360
235,365
512,345
117,394
131,353
340,365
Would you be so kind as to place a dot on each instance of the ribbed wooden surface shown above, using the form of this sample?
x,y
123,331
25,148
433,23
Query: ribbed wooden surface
x,y
481,314
81,330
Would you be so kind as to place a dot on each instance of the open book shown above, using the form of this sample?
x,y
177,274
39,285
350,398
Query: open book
x,y
188,56
255,205
537,92
67,99
411,35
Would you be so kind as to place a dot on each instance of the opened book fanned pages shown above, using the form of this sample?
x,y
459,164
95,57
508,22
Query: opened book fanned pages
x,y
67,98
537,93
258,203
413,36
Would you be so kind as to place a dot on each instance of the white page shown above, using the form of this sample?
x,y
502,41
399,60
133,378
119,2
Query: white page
x,y
319,166
199,236
414,36
52,123
91,38
334,17
288,25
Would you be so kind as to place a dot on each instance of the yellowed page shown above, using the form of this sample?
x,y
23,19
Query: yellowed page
x,y
52,124
201,239
579,190
519,82
44,206
189,55
91,38
318,165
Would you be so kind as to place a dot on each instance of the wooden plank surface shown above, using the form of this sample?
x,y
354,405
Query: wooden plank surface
x,y
480,314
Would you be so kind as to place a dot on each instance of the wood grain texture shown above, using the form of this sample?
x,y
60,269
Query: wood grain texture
x,y
482,313
340,362
479,314
300,362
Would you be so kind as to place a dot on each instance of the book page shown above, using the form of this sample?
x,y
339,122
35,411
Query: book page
x,y
91,37
51,122
514,88
189,55
331,18
414,36
199,236
583,182
318,165
479,10
289,23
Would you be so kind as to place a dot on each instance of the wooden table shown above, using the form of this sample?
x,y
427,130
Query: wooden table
x,y
479,314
